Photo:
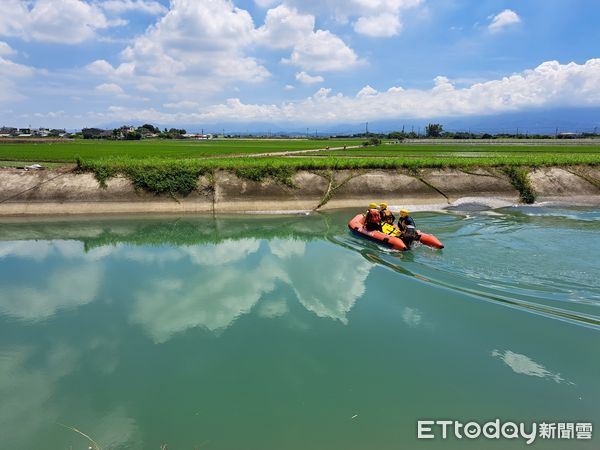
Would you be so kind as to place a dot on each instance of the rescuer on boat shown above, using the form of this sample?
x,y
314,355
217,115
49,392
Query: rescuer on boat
x,y
386,215
373,218
408,229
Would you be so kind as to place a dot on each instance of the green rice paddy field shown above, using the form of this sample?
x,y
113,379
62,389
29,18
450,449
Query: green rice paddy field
x,y
114,156
68,151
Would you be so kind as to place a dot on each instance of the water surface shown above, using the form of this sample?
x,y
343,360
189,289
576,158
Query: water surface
x,y
291,333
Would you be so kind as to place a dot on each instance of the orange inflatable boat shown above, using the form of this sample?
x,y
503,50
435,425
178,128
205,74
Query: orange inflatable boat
x,y
357,225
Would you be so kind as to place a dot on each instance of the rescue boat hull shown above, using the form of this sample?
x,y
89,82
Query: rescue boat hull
x,y
357,225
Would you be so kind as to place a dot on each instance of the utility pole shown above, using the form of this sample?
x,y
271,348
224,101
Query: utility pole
x,y
556,133
307,133
367,128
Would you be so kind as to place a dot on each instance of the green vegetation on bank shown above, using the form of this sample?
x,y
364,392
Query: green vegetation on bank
x,y
467,149
179,176
520,181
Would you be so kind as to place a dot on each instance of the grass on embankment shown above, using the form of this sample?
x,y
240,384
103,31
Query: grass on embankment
x,y
181,176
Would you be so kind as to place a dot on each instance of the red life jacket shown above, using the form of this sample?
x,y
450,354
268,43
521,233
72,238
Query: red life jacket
x,y
373,216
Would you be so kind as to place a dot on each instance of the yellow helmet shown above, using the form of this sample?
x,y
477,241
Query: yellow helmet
x,y
383,206
372,205
404,212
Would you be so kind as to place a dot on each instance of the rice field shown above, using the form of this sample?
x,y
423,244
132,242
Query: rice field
x,y
69,151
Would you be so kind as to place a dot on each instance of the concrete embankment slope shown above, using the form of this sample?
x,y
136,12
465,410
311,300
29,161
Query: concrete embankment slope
x,y
66,192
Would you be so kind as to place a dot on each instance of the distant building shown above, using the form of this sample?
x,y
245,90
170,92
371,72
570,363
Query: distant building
x,y
568,135
197,136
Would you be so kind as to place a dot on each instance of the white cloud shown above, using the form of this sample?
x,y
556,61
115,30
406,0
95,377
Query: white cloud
x,y
11,75
323,51
100,67
265,3
284,27
184,104
144,6
55,21
311,50
503,20
305,78
110,88
5,49
382,25
549,85
198,46
375,18
367,91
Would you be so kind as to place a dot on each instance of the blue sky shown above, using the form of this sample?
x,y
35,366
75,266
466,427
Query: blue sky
x,y
75,63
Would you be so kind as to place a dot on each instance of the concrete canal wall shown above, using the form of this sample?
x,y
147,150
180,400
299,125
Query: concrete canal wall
x,y
51,192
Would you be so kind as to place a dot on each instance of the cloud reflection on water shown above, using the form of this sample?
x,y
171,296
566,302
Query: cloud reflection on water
x,y
524,365
326,281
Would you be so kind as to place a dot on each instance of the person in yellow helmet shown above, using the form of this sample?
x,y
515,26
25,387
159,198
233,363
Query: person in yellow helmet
x,y
386,215
373,218
407,226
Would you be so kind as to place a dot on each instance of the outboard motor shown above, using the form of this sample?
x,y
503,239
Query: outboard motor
x,y
409,235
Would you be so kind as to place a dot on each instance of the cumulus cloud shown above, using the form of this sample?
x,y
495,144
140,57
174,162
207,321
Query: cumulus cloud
x,y
11,74
318,50
305,78
504,19
382,25
54,21
144,6
6,49
551,84
284,27
375,18
323,51
198,46
110,88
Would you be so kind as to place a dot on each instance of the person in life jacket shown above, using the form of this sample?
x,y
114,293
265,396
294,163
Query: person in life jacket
x,y
373,218
408,228
386,215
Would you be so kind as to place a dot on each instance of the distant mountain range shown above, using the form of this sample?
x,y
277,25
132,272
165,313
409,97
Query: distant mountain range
x,y
531,122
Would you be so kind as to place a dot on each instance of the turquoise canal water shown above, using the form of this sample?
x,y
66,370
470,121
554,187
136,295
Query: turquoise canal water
x,y
290,333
